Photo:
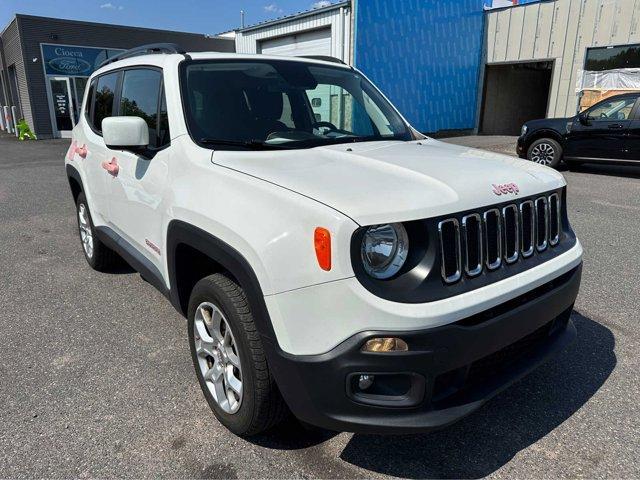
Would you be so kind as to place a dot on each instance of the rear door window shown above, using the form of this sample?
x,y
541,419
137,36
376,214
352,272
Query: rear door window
x,y
104,96
89,101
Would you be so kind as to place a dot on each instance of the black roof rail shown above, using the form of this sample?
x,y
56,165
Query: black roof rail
x,y
324,58
145,50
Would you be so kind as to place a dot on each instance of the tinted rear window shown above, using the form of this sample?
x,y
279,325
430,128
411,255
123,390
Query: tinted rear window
x,y
103,104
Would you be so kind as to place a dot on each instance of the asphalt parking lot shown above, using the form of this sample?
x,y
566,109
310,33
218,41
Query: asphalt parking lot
x,y
96,378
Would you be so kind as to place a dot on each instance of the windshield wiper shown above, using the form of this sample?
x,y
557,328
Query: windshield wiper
x,y
251,144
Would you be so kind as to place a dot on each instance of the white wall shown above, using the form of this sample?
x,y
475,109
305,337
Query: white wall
x,y
560,30
247,41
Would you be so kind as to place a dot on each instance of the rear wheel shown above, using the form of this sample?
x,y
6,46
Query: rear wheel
x,y
545,151
229,359
98,255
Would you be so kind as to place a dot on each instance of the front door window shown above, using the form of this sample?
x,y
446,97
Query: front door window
x,y
618,109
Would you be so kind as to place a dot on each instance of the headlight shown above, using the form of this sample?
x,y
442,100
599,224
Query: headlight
x,y
524,130
384,250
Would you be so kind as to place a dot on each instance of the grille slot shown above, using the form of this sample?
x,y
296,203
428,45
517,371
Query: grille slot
x,y
472,235
554,219
493,238
511,233
542,224
527,228
449,231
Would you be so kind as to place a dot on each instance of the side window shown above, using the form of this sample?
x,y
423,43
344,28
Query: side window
x,y
89,101
619,109
140,98
103,103
164,137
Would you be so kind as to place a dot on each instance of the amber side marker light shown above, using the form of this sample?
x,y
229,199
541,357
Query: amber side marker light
x,y
322,243
385,344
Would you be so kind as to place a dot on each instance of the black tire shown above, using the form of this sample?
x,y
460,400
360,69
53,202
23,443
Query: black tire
x,y
547,151
261,406
102,258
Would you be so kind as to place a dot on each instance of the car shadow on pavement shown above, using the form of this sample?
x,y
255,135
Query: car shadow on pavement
x,y
515,419
292,435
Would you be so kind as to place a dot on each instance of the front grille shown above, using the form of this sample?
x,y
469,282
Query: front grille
x,y
542,224
554,219
527,228
449,231
497,238
473,244
493,238
511,230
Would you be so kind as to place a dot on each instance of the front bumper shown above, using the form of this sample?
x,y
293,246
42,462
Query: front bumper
x,y
450,370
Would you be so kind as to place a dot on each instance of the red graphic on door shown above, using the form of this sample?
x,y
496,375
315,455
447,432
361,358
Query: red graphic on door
x,y
111,167
74,148
82,151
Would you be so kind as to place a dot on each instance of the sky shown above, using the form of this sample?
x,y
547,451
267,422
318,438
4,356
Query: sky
x,y
199,16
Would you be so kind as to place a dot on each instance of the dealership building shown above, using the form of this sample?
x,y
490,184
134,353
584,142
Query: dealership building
x,y
45,64
463,65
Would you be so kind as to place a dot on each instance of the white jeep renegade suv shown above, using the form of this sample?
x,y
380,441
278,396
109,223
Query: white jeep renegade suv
x,y
331,261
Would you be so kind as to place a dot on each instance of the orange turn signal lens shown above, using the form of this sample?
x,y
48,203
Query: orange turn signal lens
x,y
322,243
383,345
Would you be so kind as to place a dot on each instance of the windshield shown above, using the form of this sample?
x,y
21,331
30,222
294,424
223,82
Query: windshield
x,y
283,104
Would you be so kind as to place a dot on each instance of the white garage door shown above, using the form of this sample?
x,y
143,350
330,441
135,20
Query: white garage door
x,y
317,42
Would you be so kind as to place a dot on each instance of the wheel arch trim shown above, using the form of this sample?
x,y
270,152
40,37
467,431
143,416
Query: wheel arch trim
x,y
544,133
183,233
73,173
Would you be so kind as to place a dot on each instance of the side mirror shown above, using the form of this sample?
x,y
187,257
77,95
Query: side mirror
x,y
583,118
126,133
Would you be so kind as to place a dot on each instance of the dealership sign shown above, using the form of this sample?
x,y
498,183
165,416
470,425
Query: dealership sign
x,y
72,61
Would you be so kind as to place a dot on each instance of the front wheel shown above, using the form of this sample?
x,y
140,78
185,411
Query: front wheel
x,y
545,151
98,255
229,358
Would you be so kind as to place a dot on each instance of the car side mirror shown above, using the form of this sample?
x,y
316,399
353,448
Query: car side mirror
x,y
126,133
583,118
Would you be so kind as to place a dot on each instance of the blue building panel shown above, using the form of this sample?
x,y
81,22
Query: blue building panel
x,y
425,55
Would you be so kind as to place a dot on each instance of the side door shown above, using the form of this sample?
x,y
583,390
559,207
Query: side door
x,y
136,190
600,132
90,149
632,141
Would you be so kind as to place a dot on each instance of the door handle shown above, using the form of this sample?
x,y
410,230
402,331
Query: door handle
x,y
614,126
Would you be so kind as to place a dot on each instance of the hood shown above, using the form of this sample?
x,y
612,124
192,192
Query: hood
x,y
379,182
559,124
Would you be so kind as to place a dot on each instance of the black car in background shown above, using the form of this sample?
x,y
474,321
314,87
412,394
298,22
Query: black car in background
x,y
609,131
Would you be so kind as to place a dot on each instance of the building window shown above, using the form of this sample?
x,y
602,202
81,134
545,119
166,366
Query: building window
x,y
611,58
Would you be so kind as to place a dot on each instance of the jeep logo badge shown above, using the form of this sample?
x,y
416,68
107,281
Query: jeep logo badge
x,y
505,188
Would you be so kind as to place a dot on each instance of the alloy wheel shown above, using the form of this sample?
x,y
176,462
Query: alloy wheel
x,y
86,235
543,153
218,357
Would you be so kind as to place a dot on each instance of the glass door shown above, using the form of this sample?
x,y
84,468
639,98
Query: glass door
x,y
62,106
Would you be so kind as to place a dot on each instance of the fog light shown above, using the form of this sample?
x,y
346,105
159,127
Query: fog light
x,y
385,344
365,381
